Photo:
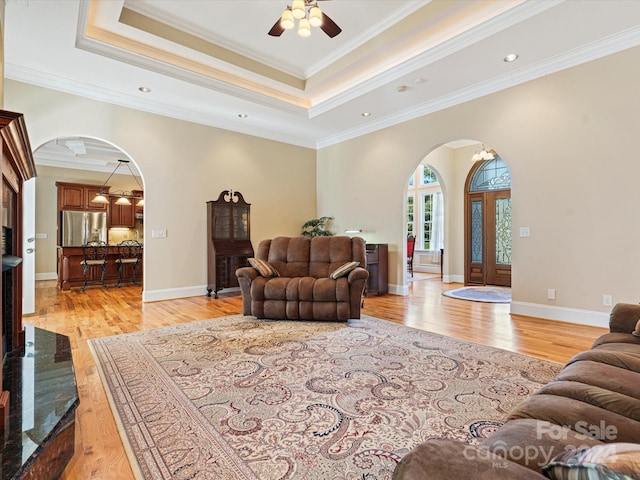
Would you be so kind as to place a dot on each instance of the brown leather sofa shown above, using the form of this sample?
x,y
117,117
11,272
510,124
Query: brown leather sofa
x,y
302,287
594,400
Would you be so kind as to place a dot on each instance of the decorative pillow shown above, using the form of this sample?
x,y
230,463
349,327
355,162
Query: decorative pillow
x,y
610,461
263,268
344,269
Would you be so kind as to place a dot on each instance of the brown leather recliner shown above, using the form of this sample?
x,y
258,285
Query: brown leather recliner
x,y
594,402
304,289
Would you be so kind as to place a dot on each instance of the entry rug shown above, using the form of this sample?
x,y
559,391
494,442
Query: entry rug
x,y
240,398
481,294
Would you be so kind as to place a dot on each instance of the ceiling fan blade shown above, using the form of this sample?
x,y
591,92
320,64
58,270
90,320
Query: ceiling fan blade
x,y
329,26
276,30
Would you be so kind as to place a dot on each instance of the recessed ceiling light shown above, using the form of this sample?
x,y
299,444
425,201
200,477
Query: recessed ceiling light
x,y
366,114
144,89
402,88
512,57
243,115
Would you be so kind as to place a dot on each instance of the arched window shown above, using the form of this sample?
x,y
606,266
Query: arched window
x,y
491,175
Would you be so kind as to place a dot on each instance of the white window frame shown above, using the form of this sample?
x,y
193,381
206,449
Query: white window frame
x,y
418,190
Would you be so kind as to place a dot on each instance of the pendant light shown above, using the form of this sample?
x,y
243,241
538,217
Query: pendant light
x,y
102,196
483,154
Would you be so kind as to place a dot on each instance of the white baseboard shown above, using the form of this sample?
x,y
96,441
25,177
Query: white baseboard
x,y
174,293
46,276
453,279
571,315
398,289
563,314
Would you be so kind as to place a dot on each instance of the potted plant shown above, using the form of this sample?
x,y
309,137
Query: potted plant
x,y
317,227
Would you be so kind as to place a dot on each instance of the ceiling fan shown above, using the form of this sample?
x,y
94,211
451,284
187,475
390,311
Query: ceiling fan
x,y
308,15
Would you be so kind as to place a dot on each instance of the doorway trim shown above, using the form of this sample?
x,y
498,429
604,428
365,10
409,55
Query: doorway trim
x,y
485,190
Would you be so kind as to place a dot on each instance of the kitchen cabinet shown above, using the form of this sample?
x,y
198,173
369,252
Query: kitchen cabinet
x,y
121,215
378,268
78,196
139,209
228,240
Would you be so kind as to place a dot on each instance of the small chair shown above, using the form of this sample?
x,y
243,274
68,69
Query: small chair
x,y
129,253
411,244
94,256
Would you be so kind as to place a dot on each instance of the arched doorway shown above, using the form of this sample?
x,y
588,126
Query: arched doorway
x,y
81,160
488,226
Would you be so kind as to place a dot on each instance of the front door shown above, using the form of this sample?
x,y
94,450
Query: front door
x,y
488,227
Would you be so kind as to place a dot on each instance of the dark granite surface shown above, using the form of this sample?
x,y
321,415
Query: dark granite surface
x,y
43,399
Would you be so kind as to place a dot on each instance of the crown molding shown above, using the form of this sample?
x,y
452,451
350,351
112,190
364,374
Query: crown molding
x,y
610,45
373,31
627,39
94,92
409,7
431,55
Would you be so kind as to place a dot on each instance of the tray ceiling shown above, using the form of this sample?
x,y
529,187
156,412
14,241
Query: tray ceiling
x,y
212,62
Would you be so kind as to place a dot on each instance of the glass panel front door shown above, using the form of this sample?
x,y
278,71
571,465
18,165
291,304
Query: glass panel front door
x,y
503,231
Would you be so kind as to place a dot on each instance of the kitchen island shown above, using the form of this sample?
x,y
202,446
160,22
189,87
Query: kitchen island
x,y
70,269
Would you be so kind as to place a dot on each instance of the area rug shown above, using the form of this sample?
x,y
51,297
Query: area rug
x,y
481,294
240,398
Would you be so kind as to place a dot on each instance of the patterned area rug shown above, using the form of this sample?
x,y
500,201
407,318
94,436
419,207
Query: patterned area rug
x,y
240,398
481,294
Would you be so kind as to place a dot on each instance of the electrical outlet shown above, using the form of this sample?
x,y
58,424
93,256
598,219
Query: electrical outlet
x,y
607,300
525,231
551,293
158,234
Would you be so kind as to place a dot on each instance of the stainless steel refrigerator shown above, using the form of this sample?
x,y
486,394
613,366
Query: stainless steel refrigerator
x,y
79,228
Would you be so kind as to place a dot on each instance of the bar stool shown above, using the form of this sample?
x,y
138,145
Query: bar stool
x,y
94,257
129,253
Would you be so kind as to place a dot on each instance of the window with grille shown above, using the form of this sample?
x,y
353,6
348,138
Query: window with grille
x,y
425,217
410,228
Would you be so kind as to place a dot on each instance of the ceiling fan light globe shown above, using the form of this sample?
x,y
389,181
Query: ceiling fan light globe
x,y
315,16
297,8
304,27
286,20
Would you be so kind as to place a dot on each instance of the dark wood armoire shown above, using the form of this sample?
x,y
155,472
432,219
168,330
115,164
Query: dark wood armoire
x,y
228,240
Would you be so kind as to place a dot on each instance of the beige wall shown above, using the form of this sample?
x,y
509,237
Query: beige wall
x,y
571,141
183,165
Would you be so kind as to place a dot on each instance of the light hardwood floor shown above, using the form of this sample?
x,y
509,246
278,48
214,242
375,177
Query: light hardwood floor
x,y
99,452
